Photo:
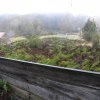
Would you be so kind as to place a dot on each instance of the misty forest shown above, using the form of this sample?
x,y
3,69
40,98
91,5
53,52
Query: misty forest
x,y
61,40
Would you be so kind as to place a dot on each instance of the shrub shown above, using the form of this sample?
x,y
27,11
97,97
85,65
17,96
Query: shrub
x,y
86,64
69,64
20,54
95,66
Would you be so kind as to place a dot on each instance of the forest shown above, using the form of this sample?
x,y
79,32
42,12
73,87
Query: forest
x,y
41,24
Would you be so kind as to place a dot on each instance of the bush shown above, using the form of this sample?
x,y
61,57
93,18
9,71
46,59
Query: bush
x,y
69,64
20,54
95,66
86,65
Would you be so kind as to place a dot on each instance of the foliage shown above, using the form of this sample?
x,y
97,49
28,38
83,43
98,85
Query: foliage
x,y
89,30
54,51
86,64
5,87
69,64
96,41
20,44
5,91
19,54
95,66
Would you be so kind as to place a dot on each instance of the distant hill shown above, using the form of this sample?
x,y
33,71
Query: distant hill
x,y
42,24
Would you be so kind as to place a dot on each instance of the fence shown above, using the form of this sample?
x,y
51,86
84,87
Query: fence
x,y
33,81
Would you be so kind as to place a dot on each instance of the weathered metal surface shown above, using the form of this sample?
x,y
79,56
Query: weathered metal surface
x,y
43,82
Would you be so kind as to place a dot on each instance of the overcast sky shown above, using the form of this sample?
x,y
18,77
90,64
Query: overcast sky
x,y
88,7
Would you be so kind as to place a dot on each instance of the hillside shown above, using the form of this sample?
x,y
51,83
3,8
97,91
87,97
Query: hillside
x,y
54,51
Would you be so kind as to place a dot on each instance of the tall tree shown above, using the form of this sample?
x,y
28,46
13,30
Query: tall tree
x,y
89,30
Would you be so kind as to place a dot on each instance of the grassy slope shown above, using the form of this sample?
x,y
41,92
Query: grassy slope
x,y
55,51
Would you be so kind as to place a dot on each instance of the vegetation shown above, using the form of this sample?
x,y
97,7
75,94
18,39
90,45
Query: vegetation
x,y
54,51
89,30
58,51
4,91
90,33
25,25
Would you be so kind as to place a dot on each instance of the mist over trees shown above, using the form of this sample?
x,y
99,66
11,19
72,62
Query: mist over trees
x,y
41,24
90,33
89,30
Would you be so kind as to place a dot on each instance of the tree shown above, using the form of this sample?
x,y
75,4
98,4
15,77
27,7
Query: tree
x,y
89,30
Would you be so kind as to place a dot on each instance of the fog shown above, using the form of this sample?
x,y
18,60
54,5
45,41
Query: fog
x,y
76,7
47,16
41,24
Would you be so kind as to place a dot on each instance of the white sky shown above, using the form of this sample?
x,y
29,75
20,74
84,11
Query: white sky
x,y
88,7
